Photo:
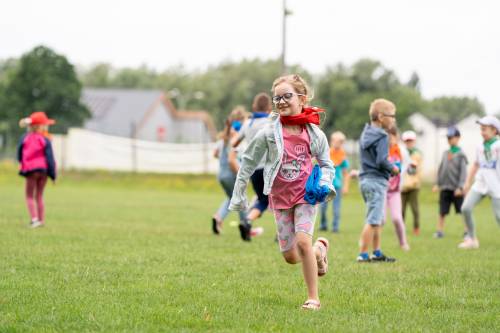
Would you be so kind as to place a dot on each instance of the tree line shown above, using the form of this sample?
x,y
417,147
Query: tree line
x,y
41,79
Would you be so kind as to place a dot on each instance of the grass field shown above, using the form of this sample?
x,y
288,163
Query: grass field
x,y
135,253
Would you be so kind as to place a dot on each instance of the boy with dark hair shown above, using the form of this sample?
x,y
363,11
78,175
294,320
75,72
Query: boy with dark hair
x,y
452,173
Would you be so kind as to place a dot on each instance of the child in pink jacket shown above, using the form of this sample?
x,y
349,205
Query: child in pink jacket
x,y
37,162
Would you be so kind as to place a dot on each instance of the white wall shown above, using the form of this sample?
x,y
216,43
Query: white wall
x,y
190,130
85,150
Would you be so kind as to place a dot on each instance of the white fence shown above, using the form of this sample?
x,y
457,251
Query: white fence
x,y
87,150
83,150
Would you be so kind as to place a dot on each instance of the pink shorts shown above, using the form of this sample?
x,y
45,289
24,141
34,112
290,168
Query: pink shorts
x,y
299,218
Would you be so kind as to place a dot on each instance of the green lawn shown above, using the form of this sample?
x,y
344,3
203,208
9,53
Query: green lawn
x,y
136,253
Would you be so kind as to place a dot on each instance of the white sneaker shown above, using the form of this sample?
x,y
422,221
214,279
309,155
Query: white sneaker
x,y
257,231
405,247
469,244
36,224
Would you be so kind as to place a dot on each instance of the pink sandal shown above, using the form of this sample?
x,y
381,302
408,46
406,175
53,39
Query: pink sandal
x,y
311,304
323,244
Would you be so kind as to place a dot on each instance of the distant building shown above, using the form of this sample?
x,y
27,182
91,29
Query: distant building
x,y
146,115
432,140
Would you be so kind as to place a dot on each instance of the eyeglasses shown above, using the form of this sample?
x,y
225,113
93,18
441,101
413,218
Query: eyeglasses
x,y
286,97
389,115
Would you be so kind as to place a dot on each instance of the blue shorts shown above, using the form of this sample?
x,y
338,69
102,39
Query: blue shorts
x,y
374,192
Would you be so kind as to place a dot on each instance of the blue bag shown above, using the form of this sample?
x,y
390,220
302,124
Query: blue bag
x,y
314,192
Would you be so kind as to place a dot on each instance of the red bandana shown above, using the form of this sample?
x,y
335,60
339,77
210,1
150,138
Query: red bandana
x,y
309,115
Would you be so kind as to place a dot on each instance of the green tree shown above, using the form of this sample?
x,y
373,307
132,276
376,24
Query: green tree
x,y
414,81
7,70
98,76
217,89
228,84
344,91
347,92
450,110
44,81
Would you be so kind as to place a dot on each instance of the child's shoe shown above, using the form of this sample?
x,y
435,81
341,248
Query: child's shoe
x,y
322,244
405,247
245,228
378,256
363,257
216,225
416,231
311,304
256,231
469,244
36,224
438,234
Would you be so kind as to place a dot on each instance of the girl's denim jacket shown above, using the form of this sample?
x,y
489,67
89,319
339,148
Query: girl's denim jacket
x,y
270,139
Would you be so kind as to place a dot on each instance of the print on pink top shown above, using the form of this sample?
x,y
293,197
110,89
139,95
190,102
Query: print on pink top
x,y
290,170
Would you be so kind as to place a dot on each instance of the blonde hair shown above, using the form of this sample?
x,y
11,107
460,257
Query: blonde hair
x,y
238,113
26,123
297,82
338,135
38,128
379,106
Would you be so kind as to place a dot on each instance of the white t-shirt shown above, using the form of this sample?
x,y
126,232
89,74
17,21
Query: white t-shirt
x,y
249,130
487,180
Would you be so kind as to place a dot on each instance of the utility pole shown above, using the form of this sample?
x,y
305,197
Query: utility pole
x,y
286,12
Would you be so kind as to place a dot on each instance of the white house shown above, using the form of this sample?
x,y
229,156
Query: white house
x,y
432,141
145,115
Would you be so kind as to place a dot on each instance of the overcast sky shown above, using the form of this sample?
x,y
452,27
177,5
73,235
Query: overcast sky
x,y
453,45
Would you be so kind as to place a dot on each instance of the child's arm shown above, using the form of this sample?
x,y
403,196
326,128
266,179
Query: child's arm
x,y
438,183
216,152
382,154
219,147
236,141
347,180
249,161
227,132
463,176
49,155
233,161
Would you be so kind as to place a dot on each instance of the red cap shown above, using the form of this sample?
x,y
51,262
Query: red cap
x,y
40,118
